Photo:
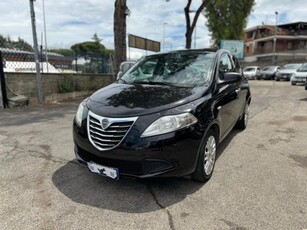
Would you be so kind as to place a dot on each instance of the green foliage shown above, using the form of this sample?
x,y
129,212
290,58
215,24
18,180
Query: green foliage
x,y
64,52
96,38
90,46
20,44
228,18
68,85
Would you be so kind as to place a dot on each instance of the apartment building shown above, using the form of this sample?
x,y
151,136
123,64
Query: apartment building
x,y
291,42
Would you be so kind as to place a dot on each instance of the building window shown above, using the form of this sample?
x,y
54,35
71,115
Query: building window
x,y
301,45
290,45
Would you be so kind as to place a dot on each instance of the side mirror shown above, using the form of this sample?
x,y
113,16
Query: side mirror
x,y
119,75
231,77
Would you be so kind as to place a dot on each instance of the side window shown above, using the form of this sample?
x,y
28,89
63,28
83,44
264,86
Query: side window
x,y
237,67
225,65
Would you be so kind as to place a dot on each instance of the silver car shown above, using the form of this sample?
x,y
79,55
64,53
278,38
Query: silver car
x,y
250,72
286,71
268,72
300,75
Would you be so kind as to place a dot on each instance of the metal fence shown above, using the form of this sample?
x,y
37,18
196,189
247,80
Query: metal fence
x,y
80,62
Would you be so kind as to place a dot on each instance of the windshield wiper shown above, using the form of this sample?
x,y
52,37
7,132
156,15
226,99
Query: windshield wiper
x,y
153,83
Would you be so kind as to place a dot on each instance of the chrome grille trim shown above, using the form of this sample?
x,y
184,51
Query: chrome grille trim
x,y
110,137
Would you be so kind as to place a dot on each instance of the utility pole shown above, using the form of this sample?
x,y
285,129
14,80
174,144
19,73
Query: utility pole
x,y
46,54
274,40
38,74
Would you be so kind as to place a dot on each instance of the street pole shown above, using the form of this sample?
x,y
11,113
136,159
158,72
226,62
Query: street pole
x,y
38,74
275,38
164,35
46,55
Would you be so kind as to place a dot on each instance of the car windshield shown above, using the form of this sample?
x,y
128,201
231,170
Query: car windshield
x,y
269,68
291,66
249,69
183,69
303,68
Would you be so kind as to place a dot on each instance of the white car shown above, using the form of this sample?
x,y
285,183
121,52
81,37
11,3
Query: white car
x,y
250,72
300,75
286,71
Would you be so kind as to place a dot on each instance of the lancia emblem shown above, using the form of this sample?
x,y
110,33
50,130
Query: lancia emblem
x,y
105,123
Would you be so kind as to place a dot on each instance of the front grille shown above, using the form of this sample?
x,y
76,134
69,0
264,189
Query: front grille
x,y
107,133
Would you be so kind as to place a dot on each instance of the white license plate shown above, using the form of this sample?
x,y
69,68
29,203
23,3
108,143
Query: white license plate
x,y
103,170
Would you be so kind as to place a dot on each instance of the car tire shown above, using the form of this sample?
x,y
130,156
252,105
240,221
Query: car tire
x,y
276,79
293,83
206,158
243,121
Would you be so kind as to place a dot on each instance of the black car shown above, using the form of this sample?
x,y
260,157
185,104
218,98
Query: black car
x,y
164,117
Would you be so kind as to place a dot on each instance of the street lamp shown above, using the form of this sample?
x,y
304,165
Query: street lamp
x,y
275,38
164,24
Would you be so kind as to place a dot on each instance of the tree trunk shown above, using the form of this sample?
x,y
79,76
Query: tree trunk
x,y
119,33
190,27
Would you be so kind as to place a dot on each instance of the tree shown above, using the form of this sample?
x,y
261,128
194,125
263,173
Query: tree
x,y
227,19
64,52
119,28
96,38
20,44
190,27
89,47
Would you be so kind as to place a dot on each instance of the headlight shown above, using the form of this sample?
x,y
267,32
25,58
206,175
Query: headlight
x,y
168,124
79,114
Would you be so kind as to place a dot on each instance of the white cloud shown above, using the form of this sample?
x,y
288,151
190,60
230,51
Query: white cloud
x,y
73,21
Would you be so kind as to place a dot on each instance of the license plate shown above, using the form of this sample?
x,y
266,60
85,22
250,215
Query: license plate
x,y
103,170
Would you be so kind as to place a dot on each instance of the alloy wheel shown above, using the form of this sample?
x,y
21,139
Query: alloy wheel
x,y
246,114
209,154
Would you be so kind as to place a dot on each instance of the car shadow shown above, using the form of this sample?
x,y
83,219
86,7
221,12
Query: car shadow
x,y
77,183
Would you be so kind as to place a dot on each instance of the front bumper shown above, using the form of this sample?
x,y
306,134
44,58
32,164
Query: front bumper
x,y
298,79
168,155
285,76
267,76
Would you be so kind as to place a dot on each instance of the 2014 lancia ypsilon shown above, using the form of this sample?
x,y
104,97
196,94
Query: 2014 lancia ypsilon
x,y
164,117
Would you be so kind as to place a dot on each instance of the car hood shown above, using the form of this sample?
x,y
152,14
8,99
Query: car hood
x,y
124,100
287,71
267,72
300,74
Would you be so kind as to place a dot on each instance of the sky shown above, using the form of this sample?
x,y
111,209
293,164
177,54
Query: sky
x,y
73,21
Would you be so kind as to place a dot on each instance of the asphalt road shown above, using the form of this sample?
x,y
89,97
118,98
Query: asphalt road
x,y
259,182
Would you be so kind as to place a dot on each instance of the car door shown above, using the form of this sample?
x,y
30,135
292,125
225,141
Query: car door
x,y
228,103
241,89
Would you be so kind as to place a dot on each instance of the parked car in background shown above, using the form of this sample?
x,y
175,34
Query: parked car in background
x,y
250,72
286,71
300,75
268,72
164,117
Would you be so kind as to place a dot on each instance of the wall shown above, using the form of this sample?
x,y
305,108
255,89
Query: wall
x,y
54,86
